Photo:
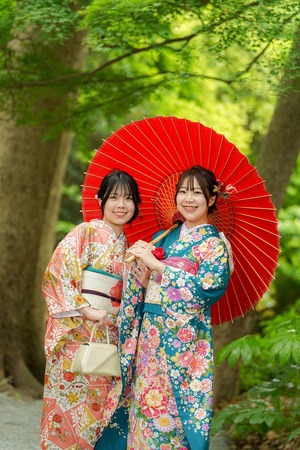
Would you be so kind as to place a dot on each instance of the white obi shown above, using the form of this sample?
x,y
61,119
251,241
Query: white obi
x,y
102,290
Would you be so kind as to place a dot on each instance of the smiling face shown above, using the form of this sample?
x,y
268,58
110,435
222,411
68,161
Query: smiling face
x,y
119,208
192,203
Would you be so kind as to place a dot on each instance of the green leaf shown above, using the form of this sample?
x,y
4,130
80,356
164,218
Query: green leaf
x,y
295,433
234,356
264,390
243,348
296,354
224,416
246,415
256,417
268,417
288,347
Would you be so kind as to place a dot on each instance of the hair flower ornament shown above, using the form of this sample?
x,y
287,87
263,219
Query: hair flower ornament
x,y
225,191
159,253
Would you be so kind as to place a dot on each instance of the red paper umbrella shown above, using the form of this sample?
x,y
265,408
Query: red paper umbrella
x,y
155,151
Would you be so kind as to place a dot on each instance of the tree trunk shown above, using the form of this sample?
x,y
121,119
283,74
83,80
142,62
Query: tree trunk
x,y
226,378
280,148
276,162
31,175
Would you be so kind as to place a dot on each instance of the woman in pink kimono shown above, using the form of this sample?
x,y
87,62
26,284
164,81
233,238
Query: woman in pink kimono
x,y
76,406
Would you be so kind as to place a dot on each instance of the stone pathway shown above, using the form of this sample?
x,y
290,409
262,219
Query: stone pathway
x,y
221,442
19,423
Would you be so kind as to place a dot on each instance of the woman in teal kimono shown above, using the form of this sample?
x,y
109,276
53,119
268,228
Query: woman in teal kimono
x,y
165,334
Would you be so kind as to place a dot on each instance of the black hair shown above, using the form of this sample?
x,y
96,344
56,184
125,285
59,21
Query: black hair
x,y
112,181
207,182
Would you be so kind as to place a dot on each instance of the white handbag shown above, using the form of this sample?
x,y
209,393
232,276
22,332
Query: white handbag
x,y
97,358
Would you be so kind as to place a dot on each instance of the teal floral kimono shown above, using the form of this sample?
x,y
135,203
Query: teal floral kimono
x,y
166,344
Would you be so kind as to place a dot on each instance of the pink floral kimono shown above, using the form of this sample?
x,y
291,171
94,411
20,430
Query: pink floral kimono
x,y
77,407
166,343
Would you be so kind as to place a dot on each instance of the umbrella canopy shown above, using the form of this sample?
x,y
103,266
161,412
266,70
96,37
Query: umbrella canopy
x,y
155,151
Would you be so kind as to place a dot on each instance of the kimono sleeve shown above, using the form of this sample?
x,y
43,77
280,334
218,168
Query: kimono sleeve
x,y
187,293
62,279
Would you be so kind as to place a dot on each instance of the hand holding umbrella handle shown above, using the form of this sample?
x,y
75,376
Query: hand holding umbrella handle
x,y
158,238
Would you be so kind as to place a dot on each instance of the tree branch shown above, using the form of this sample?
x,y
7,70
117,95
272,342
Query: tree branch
x,y
134,51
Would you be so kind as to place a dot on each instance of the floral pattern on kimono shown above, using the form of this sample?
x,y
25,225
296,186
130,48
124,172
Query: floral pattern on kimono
x,y
77,407
176,400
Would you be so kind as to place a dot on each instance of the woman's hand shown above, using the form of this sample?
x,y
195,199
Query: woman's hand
x,y
95,315
141,272
143,250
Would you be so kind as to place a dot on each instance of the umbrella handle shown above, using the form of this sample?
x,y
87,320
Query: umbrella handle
x,y
158,238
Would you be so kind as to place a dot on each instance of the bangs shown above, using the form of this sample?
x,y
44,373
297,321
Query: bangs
x,y
189,181
124,187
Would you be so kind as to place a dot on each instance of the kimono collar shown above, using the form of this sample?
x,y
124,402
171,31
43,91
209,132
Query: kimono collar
x,y
185,230
102,224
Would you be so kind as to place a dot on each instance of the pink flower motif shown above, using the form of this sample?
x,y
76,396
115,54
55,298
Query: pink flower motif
x,y
154,341
172,407
165,447
176,343
173,293
197,252
129,346
206,385
202,347
147,433
198,365
185,335
207,250
134,300
109,404
153,402
153,331
157,277
185,358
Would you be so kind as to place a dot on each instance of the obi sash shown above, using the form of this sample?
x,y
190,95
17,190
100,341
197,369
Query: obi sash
x,y
152,299
102,290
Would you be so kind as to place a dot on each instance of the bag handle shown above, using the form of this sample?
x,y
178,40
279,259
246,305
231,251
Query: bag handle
x,y
93,332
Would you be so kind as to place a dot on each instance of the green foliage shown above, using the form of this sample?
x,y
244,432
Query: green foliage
x,y
62,229
136,49
53,20
250,416
292,193
273,403
288,271
7,14
244,348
